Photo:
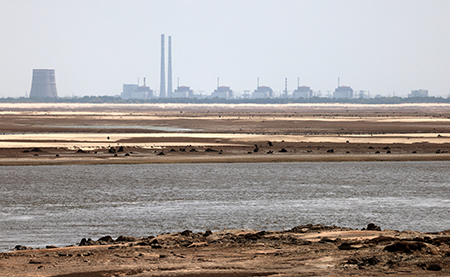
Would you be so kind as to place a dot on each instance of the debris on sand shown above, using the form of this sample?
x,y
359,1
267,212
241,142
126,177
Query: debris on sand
x,y
312,249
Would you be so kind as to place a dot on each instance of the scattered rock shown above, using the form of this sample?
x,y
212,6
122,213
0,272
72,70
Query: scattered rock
x,y
330,151
85,242
256,149
106,239
434,267
346,246
161,153
120,149
405,247
125,239
186,233
21,247
373,227
282,150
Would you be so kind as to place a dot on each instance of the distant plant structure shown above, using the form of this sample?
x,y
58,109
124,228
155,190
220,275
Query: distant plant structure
x,y
118,100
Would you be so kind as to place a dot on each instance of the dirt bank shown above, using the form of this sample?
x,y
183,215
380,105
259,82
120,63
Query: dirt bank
x,y
309,250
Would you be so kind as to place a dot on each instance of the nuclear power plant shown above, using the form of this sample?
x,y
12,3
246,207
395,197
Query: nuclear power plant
x,y
134,91
43,84
162,88
169,69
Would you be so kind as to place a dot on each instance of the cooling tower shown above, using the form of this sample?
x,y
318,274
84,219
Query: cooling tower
x,y
169,69
43,84
162,90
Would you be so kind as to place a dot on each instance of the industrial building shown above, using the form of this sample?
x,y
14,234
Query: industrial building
x,y
302,92
418,93
127,91
43,84
262,92
222,92
183,92
134,91
343,92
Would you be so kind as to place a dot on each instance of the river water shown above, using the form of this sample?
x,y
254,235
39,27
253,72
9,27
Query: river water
x,y
42,205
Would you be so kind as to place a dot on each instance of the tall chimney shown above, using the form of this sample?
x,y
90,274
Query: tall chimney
x,y
169,69
43,84
285,88
162,90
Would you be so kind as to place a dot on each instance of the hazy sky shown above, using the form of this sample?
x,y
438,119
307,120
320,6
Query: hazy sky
x,y
95,46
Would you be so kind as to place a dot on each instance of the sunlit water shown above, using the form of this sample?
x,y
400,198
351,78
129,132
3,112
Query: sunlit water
x,y
42,205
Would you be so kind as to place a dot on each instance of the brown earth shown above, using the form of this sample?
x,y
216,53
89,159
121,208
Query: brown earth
x,y
310,250
33,134
77,133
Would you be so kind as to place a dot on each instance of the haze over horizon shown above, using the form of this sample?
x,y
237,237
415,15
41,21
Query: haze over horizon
x,y
97,46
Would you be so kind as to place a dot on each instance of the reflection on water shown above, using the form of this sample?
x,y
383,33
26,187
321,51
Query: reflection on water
x,y
59,205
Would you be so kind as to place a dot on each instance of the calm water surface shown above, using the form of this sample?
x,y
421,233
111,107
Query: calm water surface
x,y
41,205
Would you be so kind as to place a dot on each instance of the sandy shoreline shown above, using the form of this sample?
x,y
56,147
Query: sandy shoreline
x,y
34,134
88,134
229,159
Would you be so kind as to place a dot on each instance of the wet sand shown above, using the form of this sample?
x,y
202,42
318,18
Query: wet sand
x,y
33,134
50,134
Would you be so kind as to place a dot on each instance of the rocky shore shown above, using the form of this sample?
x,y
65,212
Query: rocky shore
x,y
307,250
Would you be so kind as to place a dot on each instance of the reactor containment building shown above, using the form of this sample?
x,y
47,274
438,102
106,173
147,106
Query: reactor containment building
x,y
43,84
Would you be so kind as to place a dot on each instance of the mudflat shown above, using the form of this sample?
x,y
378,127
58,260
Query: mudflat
x,y
35,134
32,134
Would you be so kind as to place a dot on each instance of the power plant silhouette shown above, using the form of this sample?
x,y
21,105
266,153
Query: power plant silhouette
x,y
162,90
43,84
169,70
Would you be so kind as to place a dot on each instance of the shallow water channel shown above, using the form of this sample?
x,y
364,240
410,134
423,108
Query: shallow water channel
x,y
42,205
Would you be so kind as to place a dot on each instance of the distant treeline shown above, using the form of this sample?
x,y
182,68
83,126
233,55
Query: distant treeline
x,y
118,100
